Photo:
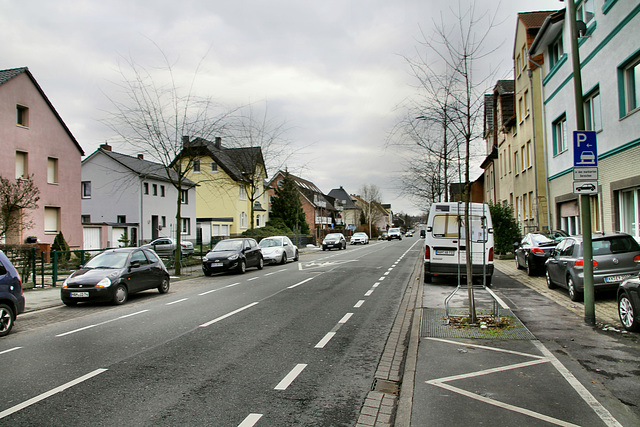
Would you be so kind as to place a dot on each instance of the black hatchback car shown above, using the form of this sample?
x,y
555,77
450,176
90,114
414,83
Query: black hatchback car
x,y
114,274
532,252
11,297
233,255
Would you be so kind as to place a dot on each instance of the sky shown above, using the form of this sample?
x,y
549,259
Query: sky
x,y
334,71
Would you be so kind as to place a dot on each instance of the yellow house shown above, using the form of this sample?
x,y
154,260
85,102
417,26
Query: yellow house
x,y
230,193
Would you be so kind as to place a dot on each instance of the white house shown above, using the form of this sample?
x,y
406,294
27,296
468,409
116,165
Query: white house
x,y
128,196
610,70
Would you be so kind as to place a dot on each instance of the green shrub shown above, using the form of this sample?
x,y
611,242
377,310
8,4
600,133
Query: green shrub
x,y
505,227
59,244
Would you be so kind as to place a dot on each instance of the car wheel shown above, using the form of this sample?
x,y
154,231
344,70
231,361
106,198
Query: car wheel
x,y
207,273
284,258
6,319
574,295
164,286
528,267
297,256
550,284
120,297
324,248
427,278
626,311
260,263
69,303
517,263
242,268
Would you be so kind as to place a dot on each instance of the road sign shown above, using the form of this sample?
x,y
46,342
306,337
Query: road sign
x,y
585,174
585,187
585,150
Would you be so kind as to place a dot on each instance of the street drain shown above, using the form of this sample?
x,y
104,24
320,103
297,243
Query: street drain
x,y
385,386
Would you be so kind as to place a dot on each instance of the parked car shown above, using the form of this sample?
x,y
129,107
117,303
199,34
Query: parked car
x,y
616,257
532,252
334,240
278,249
556,235
394,233
361,238
114,274
383,236
11,296
409,233
233,255
629,304
167,246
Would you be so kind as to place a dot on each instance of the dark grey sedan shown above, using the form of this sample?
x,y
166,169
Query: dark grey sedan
x,y
233,255
616,257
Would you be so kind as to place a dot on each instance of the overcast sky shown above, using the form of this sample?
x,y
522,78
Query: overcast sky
x,y
334,70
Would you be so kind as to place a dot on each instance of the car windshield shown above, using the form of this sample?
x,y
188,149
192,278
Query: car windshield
x,y
394,230
447,226
228,245
270,243
332,236
359,235
108,260
614,245
540,239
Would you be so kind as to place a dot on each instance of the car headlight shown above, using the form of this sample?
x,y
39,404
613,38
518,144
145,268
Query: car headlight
x,y
65,283
104,283
233,257
204,259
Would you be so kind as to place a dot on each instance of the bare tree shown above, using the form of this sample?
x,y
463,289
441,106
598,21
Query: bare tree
x,y
371,197
153,112
17,197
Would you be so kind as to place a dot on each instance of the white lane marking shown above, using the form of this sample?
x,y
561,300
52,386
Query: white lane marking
x,y
359,304
382,278
325,340
253,278
484,347
300,283
597,407
49,393
231,285
291,376
101,323
211,322
177,301
11,349
208,292
345,318
386,273
250,421
368,293
375,285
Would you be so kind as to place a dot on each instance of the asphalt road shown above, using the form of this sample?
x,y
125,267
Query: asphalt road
x,y
288,345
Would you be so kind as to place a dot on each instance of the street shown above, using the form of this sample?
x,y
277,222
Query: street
x,y
294,344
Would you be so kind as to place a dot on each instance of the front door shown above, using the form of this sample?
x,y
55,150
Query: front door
x,y
154,227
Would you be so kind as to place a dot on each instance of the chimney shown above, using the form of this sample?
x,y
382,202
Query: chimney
x,y
105,147
185,140
218,143
141,156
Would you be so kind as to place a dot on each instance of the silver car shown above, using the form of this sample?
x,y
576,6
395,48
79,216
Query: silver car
x,y
359,238
616,257
278,249
167,246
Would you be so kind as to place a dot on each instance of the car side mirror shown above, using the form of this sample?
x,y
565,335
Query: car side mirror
x,y
3,270
134,264
285,244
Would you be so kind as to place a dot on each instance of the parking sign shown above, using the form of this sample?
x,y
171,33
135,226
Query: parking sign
x,y
585,150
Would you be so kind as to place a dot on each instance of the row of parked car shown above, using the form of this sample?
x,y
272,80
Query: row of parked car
x,y
616,266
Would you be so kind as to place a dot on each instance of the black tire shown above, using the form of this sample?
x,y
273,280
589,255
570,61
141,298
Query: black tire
x,y
284,258
488,281
550,284
260,263
324,248
427,278
121,294
207,273
242,267
297,256
517,262
164,286
627,313
574,294
527,266
7,317
69,303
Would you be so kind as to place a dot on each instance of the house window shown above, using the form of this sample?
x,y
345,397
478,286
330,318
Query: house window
x,y
523,155
555,52
163,221
243,220
516,162
521,109
85,187
155,189
184,197
52,170
592,111
22,116
22,170
518,64
526,103
243,192
214,167
196,166
162,191
186,225
560,135
629,84
585,12
146,188
257,221
121,219
85,219
530,204
629,207
51,216
528,155
525,204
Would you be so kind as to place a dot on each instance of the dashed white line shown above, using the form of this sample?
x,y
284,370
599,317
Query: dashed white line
x,y
49,393
300,283
253,278
325,340
177,301
10,350
251,420
291,376
345,318
231,285
375,285
208,292
382,278
368,293
359,304
211,322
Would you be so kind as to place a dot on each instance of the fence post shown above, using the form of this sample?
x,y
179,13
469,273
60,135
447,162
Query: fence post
x,y
54,273
42,268
33,265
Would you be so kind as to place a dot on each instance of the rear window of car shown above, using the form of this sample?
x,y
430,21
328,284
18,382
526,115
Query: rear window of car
x,y
614,245
540,239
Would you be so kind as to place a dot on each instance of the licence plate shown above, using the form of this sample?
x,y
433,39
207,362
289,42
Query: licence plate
x,y
445,252
614,279
79,294
216,264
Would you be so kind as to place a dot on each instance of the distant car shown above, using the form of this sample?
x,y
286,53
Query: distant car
x,y
629,304
383,236
334,240
233,255
11,297
616,257
409,233
394,233
278,249
114,274
532,252
167,246
361,238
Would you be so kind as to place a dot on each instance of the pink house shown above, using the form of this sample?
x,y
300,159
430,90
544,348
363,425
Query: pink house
x,y
35,141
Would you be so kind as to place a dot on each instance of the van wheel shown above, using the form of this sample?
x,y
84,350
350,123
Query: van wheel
x,y
427,278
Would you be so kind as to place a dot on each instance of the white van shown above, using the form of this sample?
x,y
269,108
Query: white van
x,y
445,252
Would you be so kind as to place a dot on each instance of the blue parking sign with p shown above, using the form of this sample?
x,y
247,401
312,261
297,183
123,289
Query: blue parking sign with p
x,y
585,150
